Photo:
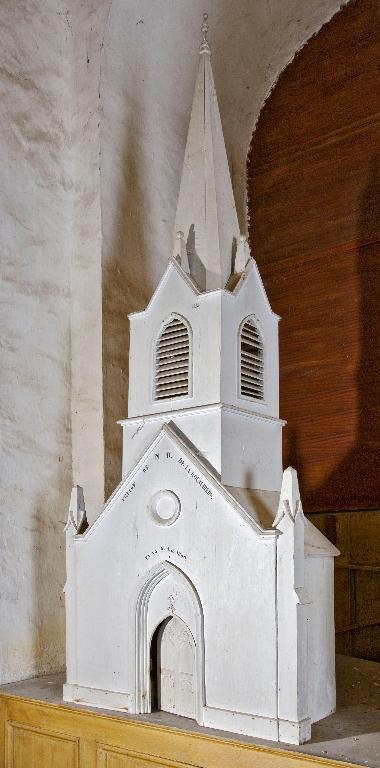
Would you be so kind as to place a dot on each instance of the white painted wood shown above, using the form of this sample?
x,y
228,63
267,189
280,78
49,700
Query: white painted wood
x,y
242,255
205,537
291,602
206,210
319,585
215,373
180,252
176,668
245,448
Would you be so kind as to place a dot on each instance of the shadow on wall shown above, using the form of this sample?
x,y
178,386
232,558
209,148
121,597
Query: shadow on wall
x,y
357,534
123,271
48,565
361,466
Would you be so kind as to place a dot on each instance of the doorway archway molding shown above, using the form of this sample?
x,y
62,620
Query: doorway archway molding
x,y
167,592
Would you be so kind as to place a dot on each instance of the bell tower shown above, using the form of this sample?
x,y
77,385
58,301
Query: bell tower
x,y
204,354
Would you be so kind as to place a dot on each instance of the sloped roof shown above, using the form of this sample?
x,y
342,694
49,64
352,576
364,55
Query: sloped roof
x,y
173,265
262,506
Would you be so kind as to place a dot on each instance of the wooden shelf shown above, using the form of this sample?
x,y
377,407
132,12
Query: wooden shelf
x,y
40,731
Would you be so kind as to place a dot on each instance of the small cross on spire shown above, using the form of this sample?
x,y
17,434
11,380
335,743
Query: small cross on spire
x,y
205,47
205,27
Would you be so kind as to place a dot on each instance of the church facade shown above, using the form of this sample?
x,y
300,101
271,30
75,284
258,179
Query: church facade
x,y
201,589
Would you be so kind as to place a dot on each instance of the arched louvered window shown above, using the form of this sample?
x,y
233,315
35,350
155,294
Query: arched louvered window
x,y
172,361
251,362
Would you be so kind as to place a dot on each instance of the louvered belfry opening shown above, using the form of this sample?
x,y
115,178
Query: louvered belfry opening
x,y
251,362
172,371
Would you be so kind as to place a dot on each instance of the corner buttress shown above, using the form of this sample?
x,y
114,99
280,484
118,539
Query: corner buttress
x,y
293,717
76,525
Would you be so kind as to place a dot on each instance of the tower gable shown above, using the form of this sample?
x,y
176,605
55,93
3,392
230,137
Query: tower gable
x,y
249,304
175,297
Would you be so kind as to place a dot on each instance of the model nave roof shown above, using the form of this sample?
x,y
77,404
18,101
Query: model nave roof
x,y
263,506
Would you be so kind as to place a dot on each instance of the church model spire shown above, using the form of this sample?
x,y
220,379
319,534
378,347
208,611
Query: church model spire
x,y
206,211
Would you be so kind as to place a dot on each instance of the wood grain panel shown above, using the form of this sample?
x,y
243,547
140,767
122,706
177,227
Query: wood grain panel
x,y
330,364
313,190
109,757
34,748
330,84
320,197
42,735
313,186
357,580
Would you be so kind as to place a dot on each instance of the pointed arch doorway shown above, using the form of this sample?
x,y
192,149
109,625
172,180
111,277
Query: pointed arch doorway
x,y
173,683
168,595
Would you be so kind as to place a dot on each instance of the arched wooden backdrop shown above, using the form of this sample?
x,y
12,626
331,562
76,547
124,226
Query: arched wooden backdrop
x,y
314,229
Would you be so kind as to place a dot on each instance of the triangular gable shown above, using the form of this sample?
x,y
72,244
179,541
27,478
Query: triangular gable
x,y
173,265
211,479
316,544
243,279
234,286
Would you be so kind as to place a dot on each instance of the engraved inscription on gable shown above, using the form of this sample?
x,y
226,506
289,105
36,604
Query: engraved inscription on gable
x,y
168,456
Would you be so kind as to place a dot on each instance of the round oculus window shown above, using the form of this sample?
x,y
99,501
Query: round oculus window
x,y
165,507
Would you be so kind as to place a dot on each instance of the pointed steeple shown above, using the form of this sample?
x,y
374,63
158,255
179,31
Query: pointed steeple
x,y
206,211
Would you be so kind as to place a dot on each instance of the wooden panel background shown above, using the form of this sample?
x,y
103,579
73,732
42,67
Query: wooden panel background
x,y
313,175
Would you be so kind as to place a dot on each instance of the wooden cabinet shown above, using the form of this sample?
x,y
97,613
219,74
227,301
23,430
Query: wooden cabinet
x,y
37,734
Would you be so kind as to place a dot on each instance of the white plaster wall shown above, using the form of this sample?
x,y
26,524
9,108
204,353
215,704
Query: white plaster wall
x,y
88,20
147,79
35,336
50,254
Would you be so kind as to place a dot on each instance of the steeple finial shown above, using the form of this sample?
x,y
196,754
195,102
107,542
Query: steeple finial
x,y
205,47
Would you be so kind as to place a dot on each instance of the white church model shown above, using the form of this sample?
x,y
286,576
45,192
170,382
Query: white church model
x,y
201,589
